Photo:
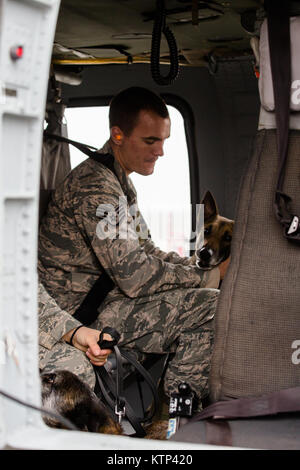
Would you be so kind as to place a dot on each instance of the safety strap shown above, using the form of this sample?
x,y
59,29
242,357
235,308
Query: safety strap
x,y
283,401
217,416
280,56
87,312
105,158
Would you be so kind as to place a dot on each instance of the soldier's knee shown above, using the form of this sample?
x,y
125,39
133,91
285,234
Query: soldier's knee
x,y
202,305
65,357
209,293
207,298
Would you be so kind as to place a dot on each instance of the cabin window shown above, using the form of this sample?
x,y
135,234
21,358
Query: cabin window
x,y
164,196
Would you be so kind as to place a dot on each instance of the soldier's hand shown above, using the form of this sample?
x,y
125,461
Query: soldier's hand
x,y
223,267
86,340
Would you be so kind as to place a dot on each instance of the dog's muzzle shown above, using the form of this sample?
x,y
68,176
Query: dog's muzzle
x,y
204,257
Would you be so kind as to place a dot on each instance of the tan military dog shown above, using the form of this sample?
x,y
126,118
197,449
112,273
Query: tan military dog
x,y
217,236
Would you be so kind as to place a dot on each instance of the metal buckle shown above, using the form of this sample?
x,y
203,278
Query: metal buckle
x,y
294,226
292,231
119,413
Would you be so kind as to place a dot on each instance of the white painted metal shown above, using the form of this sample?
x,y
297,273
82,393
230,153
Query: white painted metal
x,y
51,439
30,24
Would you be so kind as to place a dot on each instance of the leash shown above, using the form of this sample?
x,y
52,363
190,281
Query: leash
x,y
113,391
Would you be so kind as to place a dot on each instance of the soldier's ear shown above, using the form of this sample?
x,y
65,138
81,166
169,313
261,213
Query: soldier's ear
x,y
116,135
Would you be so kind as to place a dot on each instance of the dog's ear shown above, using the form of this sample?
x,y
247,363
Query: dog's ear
x,y
210,206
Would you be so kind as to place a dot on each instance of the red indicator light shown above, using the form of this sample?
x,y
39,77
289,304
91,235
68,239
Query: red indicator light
x,y
19,51
16,52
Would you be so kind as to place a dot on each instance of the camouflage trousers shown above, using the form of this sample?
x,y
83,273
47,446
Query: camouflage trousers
x,y
178,321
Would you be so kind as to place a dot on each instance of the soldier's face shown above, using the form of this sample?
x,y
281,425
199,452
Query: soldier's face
x,y
139,151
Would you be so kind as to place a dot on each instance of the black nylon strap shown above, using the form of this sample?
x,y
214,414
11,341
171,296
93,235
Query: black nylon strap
x,y
87,149
120,400
148,379
105,158
87,312
108,389
116,401
280,57
106,344
110,395
112,391
283,401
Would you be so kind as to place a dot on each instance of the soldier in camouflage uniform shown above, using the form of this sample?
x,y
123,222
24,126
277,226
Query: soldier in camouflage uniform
x,y
160,302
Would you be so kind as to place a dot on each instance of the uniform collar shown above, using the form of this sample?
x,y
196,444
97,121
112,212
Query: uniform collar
x,y
125,181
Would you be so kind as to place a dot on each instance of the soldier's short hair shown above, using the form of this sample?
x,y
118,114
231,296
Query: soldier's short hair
x,y
126,106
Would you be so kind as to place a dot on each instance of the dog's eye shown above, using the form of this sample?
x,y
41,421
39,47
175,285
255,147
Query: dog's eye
x,y
49,378
207,231
227,237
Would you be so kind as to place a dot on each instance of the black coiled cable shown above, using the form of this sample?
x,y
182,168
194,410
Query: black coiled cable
x,y
61,419
158,28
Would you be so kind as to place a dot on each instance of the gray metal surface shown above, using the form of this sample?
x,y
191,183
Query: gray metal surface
x,y
30,24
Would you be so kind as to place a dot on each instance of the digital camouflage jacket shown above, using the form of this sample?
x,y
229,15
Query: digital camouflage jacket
x,y
93,224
